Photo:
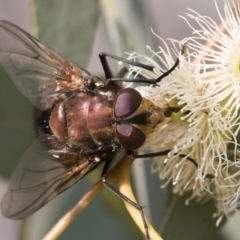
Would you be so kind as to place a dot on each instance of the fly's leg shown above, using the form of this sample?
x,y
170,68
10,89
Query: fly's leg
x,y
164,153
110,77
122,196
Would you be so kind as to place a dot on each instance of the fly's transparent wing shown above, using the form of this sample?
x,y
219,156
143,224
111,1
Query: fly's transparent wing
x,y
36,70
39,177
41,75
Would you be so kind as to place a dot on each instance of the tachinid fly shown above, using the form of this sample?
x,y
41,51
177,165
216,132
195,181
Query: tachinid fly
x,y
80,120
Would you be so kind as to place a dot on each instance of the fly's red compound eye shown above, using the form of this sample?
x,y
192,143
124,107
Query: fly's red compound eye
x,y
128,101
130,137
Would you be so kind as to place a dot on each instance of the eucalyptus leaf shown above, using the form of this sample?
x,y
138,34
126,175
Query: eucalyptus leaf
x,y
194,221
68,27
16,124
128,25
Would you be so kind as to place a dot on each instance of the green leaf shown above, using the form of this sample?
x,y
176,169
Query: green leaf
x,y
129,31
194,221
68,27
16,125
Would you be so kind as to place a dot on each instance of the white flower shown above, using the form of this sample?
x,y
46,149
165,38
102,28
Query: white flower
x,y
220,61
206,129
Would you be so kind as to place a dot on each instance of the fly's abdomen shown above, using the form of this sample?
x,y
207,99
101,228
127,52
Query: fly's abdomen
x,y
84,120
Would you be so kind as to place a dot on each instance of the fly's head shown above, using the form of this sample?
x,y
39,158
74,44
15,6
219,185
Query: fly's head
x,y
136,118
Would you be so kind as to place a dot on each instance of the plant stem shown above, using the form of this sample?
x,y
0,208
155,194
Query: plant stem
x,y
123,176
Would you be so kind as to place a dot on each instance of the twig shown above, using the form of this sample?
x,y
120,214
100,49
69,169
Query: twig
x,y
68,217
121,171
123,176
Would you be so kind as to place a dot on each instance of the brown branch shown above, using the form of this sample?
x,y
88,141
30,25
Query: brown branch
x,y
123,177
68,217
